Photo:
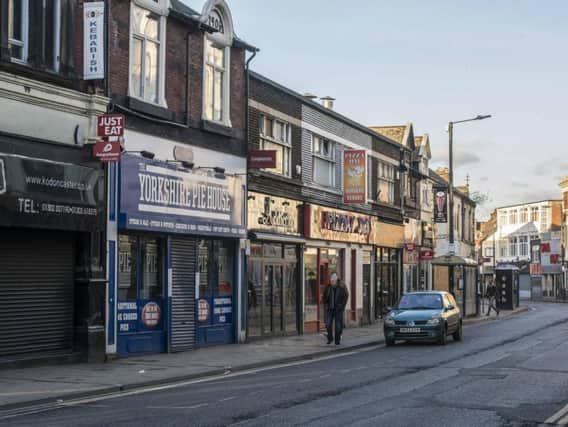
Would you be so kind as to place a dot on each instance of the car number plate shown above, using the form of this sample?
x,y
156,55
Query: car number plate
x,y
409,330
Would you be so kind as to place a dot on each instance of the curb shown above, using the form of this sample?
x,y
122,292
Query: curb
x,y
59,399
483,319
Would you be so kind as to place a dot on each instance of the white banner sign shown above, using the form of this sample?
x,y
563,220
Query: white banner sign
x,y
93,40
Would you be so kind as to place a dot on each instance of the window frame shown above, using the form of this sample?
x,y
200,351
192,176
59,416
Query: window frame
x,y
25,22
513,243
534,214
161,41
331,159
524,246
524,217
285,144
386,172
513,217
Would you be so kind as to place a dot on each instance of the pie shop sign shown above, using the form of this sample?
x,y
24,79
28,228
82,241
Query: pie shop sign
x,y
158,196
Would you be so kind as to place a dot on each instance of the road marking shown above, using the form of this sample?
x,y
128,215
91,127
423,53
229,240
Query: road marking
x,y
325,376
307,380
563,421
201,405
558,415
226,399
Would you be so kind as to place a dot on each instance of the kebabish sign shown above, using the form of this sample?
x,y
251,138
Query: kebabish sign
x,y
158,196
49,194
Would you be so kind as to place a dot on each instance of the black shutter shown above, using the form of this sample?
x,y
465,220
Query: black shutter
x,y
183,325
36,291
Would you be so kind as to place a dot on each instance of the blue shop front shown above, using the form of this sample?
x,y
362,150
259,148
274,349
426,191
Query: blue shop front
x,y
177,247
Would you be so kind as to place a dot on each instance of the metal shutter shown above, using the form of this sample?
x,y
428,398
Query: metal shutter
x,y
36,291
183,256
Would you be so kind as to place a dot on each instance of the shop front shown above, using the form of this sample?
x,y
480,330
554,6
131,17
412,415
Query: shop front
x,y
274,266
51,214
388,240
177,260
338,242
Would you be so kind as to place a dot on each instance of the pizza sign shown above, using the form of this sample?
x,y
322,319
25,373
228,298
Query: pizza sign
x,y
151,315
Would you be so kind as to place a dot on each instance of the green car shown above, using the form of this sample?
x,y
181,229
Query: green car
x,y
424,316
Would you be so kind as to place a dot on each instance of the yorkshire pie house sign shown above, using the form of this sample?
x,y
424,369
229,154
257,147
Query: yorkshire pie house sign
x,y
157,196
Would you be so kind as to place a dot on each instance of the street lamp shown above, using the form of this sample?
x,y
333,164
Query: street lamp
x,y
451,244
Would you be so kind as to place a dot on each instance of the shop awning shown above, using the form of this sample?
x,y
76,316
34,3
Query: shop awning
x,y
283,238
450,260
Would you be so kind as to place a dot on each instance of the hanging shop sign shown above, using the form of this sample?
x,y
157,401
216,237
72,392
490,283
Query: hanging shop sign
x,y
48,194
426,254
110,125
262,159
273,214
410,247
93,40
107,151
440,204
333,224
157,196
354,176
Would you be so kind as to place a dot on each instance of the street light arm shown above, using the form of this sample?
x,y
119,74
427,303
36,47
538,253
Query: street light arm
x,y
478,117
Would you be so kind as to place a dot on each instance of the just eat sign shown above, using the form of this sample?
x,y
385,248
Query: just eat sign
x,y
110,125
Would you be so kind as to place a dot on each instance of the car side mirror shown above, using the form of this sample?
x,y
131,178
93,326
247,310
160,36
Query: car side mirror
x,y
388,309
450,307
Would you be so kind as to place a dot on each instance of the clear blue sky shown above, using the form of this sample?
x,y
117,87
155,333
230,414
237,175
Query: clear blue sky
x,y
428,62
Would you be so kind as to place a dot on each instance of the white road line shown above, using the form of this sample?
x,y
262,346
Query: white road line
x,y
226,399
307,380
201,405
563,421
325,376
561,413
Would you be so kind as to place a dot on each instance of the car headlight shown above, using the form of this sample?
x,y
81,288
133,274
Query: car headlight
x,y
434,321
389,321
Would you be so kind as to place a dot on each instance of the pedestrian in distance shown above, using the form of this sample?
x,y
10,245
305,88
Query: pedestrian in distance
x,y
491,295
335,299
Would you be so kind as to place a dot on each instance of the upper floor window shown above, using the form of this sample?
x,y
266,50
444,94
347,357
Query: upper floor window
x,y
513,216
323,153
18,13
524,215
216,64
513,246
534,214
503,248
502,218
386,175
544,217
146,55
277,135
524,246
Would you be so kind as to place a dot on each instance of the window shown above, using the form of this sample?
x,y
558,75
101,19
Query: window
x,y
146,56
386,174
503,248
513,246
323,151
18,13
502,218
513,216
544,217
534,214
524,246
214,81
524,215
276,135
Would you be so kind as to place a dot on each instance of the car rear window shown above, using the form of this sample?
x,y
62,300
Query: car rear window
x,y
420,302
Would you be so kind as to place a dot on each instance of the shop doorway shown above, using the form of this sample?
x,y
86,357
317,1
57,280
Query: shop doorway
x,y
141,308
366,318
272,298
215,292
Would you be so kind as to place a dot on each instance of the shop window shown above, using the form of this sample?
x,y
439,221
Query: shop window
x,y
224,270
323,152
146,57
127,267
151,271
311,284
204,268
276,135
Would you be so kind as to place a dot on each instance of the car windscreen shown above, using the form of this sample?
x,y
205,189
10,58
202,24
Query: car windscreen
x,y
420,302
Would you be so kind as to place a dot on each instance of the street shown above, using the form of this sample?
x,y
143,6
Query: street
x,y
509,372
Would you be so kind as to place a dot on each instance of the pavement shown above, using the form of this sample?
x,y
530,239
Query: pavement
x,y
27,387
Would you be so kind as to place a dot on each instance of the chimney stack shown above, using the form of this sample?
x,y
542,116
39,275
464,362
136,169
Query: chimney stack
x,y
327,102
310,96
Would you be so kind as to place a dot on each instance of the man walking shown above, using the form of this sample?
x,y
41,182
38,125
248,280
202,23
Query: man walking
x,y
491,295
335,298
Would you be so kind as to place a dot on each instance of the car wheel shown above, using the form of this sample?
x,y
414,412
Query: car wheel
x,y
458,334
389,342
443,338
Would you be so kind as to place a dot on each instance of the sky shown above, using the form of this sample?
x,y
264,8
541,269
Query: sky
x,y
429,62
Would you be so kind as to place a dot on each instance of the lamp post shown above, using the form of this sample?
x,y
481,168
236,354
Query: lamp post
x,y
451,243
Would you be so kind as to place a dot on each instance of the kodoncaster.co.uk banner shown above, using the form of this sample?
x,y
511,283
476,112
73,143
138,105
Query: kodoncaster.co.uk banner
x,y
160,197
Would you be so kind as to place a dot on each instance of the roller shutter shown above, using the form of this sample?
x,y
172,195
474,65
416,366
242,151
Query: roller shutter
x,y
36,291
183,256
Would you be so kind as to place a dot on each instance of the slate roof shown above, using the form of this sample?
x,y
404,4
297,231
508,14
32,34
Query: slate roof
x,y
396,133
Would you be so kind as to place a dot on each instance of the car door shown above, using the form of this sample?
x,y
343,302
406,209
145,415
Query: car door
x,y
455,313
449,313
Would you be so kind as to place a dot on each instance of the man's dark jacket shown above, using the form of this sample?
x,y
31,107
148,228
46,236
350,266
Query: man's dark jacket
x,y
341,297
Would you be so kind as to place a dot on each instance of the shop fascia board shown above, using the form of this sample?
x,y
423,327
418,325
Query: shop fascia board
x,y
40,94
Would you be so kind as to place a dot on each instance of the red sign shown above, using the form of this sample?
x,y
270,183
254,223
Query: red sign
x,y
411,247
262,159
426,254
545,248
110,125
151,315
536,270
354,176
107,151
